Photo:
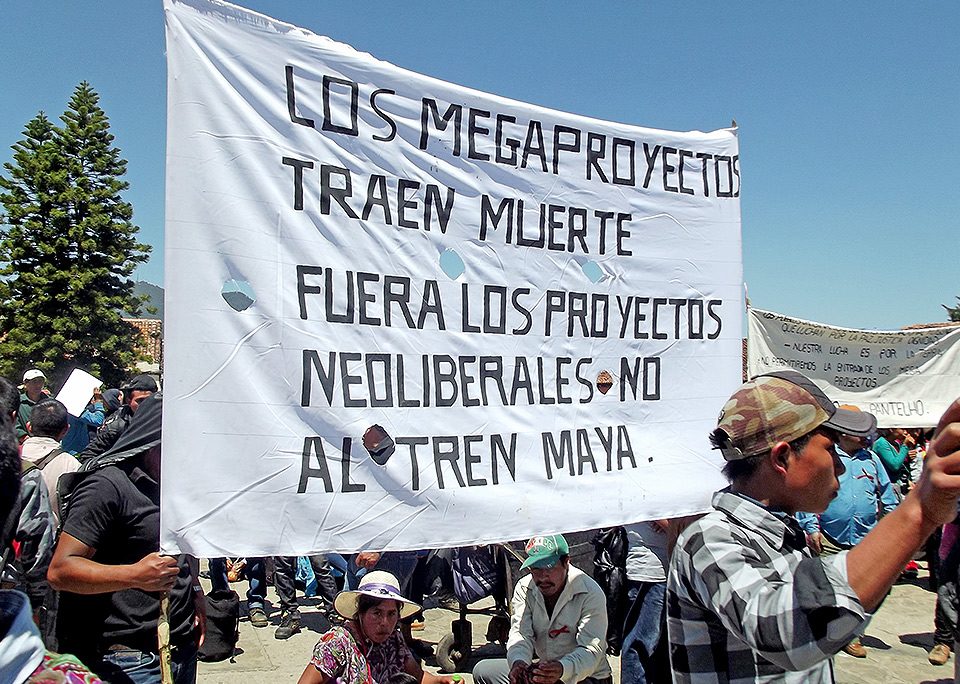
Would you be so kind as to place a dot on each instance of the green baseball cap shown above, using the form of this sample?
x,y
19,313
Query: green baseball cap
x,y
545,552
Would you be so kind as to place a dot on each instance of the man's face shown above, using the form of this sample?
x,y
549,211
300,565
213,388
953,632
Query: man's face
x,y
136,396
34,386
851,444
811,479
551,581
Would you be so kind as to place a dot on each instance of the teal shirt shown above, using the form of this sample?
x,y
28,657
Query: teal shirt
x,y
891,457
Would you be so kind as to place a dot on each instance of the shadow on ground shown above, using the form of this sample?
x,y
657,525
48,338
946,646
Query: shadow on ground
x,y
874,642
922,640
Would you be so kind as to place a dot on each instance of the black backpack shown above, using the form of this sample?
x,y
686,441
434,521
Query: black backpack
x,y
223,626
610,571
475,573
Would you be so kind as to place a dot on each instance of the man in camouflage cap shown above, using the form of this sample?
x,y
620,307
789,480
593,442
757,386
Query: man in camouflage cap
x,y
745,599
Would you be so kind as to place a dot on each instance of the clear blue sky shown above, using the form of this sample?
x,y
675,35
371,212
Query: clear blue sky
x,y
849,113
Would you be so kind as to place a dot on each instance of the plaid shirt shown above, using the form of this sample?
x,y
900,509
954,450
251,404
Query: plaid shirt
x,y
747,603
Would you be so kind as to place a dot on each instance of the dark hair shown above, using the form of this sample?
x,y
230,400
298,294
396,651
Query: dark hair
x,y
9,479
9,398
401,678
111,400
743,468
48,419
365,603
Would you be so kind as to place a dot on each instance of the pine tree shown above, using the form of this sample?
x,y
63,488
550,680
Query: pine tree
x,y
68,247
953,312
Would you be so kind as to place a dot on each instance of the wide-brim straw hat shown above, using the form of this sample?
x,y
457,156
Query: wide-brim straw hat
x,y
380,585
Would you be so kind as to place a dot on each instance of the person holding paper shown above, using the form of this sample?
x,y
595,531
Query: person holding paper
x,y
81,427
138,389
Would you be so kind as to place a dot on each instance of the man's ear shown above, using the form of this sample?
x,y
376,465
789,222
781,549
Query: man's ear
x,y
780,457
29,429
63,432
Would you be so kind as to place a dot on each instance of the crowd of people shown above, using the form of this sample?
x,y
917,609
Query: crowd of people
x,y
823,514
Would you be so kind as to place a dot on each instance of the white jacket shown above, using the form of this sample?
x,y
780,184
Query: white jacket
x,y
35,450
575,634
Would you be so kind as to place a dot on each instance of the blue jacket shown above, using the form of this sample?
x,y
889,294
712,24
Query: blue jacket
x,y
864,490
78,437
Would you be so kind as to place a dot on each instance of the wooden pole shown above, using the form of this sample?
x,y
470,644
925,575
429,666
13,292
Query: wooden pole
x,y
163,634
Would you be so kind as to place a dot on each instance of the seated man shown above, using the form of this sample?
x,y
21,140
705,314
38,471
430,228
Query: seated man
x,y
746,601
559,616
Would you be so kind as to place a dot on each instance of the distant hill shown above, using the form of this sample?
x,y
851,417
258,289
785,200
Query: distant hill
x,y
154,294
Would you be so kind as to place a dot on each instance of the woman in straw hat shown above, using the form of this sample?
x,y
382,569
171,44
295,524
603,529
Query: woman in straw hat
x,y
368,648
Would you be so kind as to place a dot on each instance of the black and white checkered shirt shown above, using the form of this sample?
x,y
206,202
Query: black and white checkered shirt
x,y
747,603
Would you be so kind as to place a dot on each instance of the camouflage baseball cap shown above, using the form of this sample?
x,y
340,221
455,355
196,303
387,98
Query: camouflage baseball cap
x,y
781,407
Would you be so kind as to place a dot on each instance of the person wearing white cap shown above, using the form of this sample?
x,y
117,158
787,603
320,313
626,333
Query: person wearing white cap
x,y
368,648
33,392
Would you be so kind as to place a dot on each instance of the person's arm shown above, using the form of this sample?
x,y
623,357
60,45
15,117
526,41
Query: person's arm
x,y
23,417
199,600
367,560
72,569
329,658
412,668
520,640
892,458
93,415
312,675
591,648
97,508
875,563
810,524
885,493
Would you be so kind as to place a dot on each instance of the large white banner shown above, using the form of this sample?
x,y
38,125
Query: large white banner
x,y
906,378
405,314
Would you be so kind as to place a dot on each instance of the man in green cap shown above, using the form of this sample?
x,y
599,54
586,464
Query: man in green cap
x,y
559,618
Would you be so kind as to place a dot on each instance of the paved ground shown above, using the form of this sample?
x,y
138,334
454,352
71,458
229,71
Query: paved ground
x,y
898,639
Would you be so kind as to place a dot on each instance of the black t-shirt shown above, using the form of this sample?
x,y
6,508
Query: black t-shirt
x,y
116,511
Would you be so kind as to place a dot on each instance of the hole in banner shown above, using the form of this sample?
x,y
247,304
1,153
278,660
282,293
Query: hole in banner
x,y
238,294
452,264
592,271
604,382
378,444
